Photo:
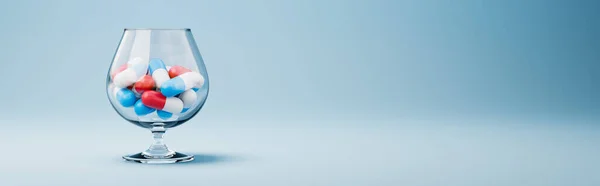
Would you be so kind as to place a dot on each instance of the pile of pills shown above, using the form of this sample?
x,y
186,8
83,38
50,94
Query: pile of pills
x,y
150,86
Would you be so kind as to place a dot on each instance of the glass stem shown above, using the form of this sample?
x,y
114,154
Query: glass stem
x,y
158,149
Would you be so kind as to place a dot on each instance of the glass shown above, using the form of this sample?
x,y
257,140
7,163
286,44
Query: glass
x,y
157,80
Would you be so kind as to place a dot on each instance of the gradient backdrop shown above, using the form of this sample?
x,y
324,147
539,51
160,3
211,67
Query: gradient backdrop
x,y
333,92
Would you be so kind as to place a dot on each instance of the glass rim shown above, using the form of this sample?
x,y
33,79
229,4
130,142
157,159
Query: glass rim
x,y
184,29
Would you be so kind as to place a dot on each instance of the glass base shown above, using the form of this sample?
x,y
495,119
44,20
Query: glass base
x,y
176,158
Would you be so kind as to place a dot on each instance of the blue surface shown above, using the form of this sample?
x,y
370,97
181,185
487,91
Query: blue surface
x,y
404,152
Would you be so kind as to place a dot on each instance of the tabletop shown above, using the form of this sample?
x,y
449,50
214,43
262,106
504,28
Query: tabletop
x,y
388,154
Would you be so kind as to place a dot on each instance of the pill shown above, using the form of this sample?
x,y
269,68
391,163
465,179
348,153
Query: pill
x,y
124,96
141,109
176,70
118,70
185,110
136,68
163,114
158,101
181,83
143,84
158,71
188,97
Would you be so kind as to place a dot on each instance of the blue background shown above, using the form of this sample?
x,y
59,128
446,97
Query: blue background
x,y
334,92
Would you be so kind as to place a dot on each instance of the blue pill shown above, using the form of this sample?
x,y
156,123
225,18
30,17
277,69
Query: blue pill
x,y
163,114
125,97
141,109
172,87
195,89
185,110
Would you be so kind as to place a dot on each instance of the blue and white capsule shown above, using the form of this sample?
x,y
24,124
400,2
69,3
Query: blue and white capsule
x,y
181,83
124,96
136,68
188,97
158,71
141,109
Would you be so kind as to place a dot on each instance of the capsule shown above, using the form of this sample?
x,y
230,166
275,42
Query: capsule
x,y
157,101
158,71
178,70
118,70
124,96
185,110
136,68
188,97
163,114
143,84
181,83
141,109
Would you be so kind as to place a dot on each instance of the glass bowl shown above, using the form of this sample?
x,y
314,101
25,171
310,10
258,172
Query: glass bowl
x,y
157,80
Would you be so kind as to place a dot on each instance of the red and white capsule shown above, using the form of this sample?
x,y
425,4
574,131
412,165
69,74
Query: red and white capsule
x,y
145,83
114,72
176,70
136,68
156,100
